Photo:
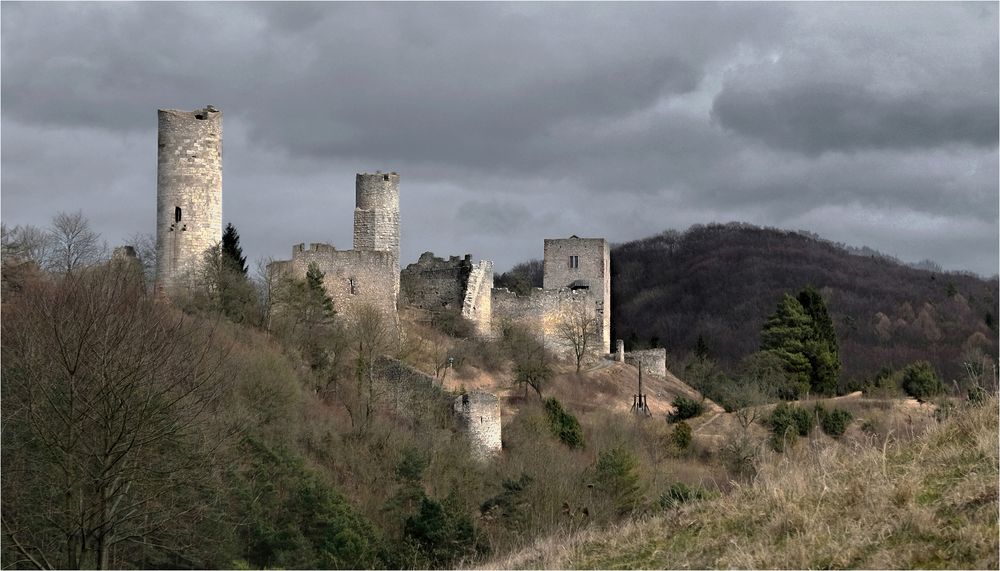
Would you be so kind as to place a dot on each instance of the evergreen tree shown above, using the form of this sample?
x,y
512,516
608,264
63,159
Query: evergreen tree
x,y
316,291
701,348
232,250
822,350
785,335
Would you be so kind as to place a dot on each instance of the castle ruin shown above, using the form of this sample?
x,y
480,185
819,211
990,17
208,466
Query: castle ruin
x,y
436,284
368,275
188,194
576,283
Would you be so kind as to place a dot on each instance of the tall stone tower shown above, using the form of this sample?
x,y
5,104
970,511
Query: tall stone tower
x,y
582,264
188,193
376,215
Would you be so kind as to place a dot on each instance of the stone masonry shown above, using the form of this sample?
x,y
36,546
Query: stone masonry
x,y
376,216
434,284
478,414
351,278
653,361
188,194
582,263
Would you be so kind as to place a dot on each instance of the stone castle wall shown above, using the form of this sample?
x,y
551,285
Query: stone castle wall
x,y
654,361
435,283
593,268
543,311
478,414
351,278
188,187
477,306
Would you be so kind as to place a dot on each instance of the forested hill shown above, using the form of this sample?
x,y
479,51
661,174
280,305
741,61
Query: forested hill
x,y
722,282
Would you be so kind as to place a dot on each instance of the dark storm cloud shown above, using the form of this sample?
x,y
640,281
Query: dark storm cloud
x,y
515,122
813,117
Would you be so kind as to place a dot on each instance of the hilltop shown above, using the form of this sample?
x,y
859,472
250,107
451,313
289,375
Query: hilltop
x,y
722,281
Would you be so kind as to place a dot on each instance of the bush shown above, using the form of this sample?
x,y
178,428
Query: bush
x,y
679,493
564,425
685,408
920,381
681,435
977,395
787,421
444,532
451,323
834,422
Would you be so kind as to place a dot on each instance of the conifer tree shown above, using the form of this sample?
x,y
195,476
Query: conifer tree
x,y
785,334
823,350
231,249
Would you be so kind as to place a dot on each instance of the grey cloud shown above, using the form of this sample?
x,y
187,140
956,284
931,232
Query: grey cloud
x,y
813,117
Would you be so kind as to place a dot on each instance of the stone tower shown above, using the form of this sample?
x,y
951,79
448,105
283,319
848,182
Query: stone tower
x,y
376,215
582,264
188,193
478,415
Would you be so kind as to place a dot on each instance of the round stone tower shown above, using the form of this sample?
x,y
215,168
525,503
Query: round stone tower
x,y
478,415
188,193
376,215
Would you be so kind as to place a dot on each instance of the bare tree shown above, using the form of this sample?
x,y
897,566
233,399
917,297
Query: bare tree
x,y
27,243
106,398
577,328
74,243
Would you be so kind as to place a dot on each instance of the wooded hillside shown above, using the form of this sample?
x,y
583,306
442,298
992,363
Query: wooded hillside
x,y
722,282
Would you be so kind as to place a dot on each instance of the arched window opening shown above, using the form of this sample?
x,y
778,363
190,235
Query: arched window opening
x,y
177,214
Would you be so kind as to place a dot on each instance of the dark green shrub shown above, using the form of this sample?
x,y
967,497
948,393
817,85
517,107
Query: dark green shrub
x,y
921,382
617,477
451,322
834,422
681,435
788,422
443,531
510,505
564,425
685,408
679,493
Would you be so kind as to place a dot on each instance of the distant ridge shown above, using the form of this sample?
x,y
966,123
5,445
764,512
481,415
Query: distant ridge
x,y
721,281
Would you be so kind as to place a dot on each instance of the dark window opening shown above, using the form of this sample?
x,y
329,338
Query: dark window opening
x,y
350,282
177,214
385,177
574,262
201,116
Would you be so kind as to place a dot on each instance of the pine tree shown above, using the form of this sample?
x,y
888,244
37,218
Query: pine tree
x,y
231,249
701,348
786,334
822,350
317,293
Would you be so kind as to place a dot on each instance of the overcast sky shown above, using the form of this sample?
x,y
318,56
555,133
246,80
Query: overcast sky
x,y
870,124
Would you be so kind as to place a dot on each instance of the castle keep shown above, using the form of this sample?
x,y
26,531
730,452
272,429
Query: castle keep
x,y
188,193
576,282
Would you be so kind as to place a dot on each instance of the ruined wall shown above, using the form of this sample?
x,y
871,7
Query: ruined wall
x,y
351,278
477,306
188,193
654,361
435,283
543,311
376,216
478,413
592,269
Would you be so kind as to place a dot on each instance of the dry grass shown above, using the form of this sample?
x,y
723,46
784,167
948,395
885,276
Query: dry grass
x,y
926,502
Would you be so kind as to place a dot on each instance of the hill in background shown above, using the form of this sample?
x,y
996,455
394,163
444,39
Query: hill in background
x,y
722,282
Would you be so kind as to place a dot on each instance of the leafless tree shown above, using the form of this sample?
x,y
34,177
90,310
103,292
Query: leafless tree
x,y
27,243
106,397
578,328
74,243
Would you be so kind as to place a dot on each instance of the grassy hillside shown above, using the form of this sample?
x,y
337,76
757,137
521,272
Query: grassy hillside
x,y
926,503
722,282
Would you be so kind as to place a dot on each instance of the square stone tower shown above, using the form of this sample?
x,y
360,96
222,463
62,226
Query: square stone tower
x,y
582,264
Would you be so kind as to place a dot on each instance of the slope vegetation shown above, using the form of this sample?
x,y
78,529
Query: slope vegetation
x,y
926,503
